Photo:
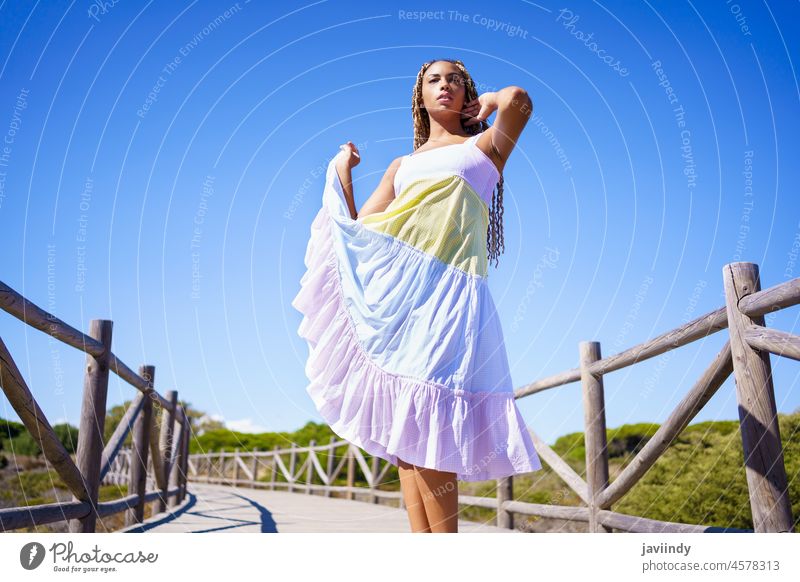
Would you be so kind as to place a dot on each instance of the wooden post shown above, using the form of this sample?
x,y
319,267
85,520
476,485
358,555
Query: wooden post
x,y
373,498
150,455
594,416
505,492
188,429
165,444
329,465
236,467
137,479
174,474
310,467
92,423
180,461
156,470
254,469
351,472
273,468
758,419
178,475
292,461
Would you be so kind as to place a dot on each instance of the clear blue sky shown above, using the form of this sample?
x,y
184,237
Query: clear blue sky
x,y
163,161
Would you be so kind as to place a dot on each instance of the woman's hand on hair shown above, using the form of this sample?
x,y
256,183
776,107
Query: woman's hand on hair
x,y
480,109
349,155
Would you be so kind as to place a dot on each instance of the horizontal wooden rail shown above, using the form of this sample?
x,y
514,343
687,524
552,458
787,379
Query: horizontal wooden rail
x,y
698,328
775,341
19,517
777,297
36,317
780,296
634,524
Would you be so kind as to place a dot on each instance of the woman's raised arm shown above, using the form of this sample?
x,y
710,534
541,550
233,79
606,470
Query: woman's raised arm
x,y
514,108
347,159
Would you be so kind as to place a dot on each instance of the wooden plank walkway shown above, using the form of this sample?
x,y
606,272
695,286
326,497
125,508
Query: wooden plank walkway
x,y
226,509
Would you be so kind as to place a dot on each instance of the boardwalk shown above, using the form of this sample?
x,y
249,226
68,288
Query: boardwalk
x,y
225,509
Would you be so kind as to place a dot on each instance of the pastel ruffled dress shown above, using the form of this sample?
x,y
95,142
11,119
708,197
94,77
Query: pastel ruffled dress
x,y
406,353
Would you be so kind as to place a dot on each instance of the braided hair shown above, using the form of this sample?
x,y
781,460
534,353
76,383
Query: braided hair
x,y
422,130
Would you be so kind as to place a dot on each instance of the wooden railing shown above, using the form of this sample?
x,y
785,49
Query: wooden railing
x,y
228,468
746,354
97,462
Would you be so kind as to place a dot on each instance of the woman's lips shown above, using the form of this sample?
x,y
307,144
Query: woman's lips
x,y
444,98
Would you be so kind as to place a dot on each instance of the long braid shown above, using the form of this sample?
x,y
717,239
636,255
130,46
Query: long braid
x,y
422,130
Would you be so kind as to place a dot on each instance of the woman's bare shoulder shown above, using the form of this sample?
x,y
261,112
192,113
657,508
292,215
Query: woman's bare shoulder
x,y
394,165
388,175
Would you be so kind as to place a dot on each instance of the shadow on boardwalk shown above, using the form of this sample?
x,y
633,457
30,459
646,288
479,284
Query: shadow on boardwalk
x,y
225,509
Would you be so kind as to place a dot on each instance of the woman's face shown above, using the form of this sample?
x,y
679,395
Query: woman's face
x,y
443,88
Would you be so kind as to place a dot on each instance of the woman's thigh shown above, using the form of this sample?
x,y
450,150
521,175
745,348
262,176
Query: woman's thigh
x,y
412,498
439,491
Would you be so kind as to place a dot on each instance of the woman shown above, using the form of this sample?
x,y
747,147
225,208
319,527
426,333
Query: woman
x,y
406,353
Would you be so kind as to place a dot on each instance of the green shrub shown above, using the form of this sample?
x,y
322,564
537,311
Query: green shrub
x,y
67,435
24,444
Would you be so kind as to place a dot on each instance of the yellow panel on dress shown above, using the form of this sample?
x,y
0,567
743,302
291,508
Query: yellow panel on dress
x,y
443,217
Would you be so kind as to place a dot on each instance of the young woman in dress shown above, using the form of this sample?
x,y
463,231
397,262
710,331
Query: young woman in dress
x,y
427,388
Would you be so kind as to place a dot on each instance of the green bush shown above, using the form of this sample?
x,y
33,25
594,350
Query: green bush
x,y
14,437
701,477
24,444
67,435
622,441
9,430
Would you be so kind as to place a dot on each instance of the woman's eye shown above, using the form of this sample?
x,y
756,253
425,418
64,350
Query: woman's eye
x,y
454,80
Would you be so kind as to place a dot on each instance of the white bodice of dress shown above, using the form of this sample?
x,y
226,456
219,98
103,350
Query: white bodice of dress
x,y
461,159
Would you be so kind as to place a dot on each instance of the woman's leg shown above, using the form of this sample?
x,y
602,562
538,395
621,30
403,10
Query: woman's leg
x,y
439,491
412,497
